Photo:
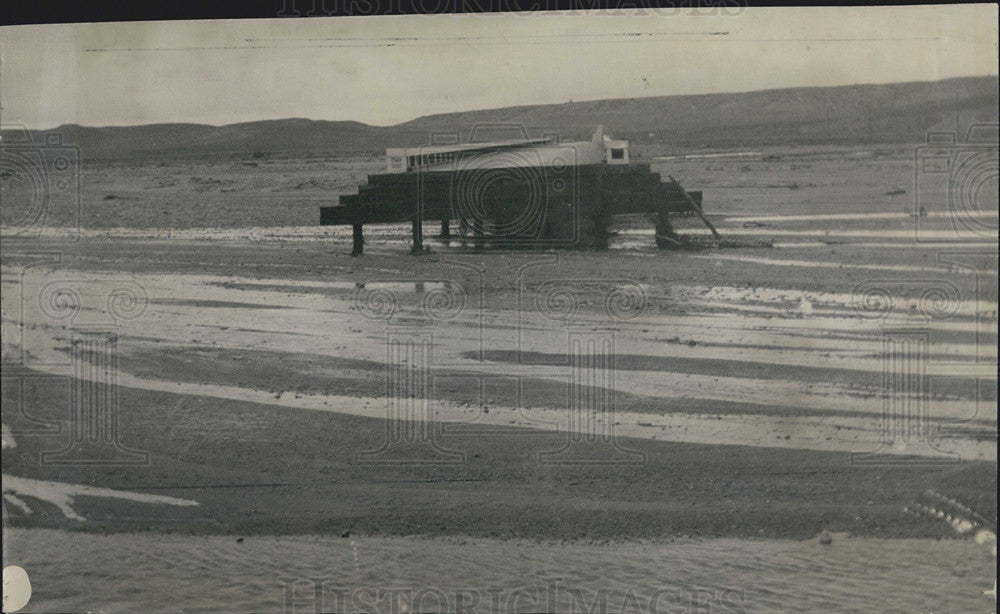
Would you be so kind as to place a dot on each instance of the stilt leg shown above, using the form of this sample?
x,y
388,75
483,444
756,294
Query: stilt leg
x,y
359,241
478,233
418,236
666,236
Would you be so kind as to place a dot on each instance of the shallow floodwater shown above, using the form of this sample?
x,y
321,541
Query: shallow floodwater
x,y
155,572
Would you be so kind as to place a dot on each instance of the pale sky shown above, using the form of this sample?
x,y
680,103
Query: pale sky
x,y
386,70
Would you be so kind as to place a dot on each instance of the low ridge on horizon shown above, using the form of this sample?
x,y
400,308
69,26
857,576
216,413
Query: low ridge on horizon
x,y
523,107
847,113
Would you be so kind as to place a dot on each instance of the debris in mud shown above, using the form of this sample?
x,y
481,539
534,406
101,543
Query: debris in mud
x,y
692,243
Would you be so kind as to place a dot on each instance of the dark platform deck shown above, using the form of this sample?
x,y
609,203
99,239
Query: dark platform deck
x,y
522,206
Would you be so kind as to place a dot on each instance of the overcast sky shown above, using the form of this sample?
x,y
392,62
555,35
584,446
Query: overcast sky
x,y
385,70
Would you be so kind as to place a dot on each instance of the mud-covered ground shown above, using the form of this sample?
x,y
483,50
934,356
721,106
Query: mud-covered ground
x,y
843,380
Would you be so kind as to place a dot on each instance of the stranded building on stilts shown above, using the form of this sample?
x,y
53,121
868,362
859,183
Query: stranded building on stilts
x,y
519,193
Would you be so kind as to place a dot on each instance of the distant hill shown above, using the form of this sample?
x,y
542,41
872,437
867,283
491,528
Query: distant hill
x,y
894,112
901,112
283,135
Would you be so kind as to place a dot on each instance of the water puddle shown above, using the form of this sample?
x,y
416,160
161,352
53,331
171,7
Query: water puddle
x,y
61,495
843,265
910,234
816,217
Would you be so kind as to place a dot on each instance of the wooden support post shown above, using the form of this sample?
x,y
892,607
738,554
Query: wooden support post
x,y
445,229
359,241
602,216
666,236
478,233
600,223
418,236
696,208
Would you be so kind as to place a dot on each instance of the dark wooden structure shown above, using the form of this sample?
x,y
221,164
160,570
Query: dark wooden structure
x,y
515,207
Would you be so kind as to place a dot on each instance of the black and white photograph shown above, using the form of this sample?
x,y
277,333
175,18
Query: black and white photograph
x,y
669,308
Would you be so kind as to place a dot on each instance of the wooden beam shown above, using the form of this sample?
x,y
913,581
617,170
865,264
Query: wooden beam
x,y
359,241
696,208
